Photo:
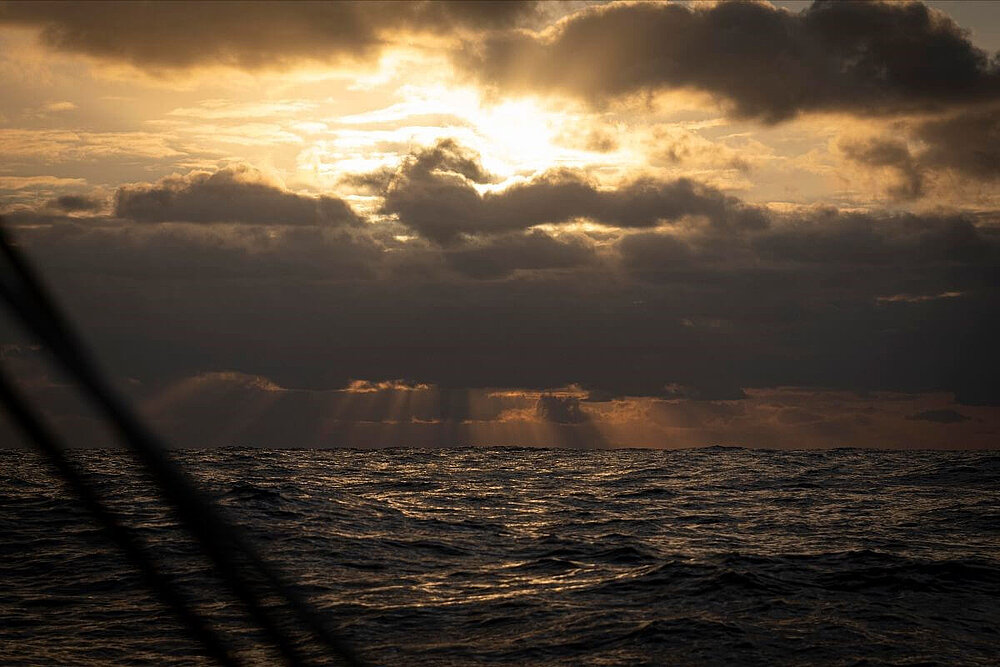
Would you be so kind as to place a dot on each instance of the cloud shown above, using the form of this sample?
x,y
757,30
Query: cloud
x,y
965,144
499,257
704,392
880,239
815,297
60,106
170,35
940,416
222,109
445,157
434,194
676,145
76,203
798,290
896,155
968,142
232,194
368,387
48,146
560,409
157,254
868,58
42,182
916,298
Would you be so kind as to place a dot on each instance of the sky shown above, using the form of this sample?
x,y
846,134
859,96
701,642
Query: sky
x,y
513,223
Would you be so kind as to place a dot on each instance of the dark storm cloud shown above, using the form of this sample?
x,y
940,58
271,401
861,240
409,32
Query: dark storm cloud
x,y
234,194
903,240
968,142
815,296
806,299
560,409
163,252
76,203
763,62
940,416
498,257
433,193
247,34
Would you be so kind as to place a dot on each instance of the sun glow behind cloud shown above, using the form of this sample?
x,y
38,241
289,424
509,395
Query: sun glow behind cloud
x,y
514,137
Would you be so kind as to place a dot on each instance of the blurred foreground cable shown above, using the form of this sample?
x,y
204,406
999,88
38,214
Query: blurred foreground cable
x,y
250,578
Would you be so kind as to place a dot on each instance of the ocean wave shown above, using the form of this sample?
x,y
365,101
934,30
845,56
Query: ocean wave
x,y
543,557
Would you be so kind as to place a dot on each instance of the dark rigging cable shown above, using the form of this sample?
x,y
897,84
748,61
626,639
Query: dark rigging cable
x,y
225,546
35,430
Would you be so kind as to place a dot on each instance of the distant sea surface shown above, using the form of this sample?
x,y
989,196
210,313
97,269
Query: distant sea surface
x,y
537,557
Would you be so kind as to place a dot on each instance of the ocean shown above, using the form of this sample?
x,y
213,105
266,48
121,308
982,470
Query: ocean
x,y
501,556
